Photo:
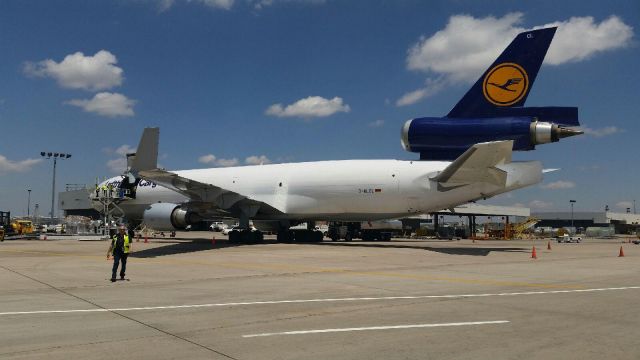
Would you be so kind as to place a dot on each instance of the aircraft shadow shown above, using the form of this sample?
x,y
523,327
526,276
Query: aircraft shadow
x,y
180,247
183,247
472,251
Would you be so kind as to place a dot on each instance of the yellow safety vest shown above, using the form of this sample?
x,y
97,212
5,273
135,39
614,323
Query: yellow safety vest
x,y
126,243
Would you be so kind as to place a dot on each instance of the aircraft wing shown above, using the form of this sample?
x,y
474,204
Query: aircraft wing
x,y
478,164
195,190
144,165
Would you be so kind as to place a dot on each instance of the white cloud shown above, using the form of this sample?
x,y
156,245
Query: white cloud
x,y
539,204
579,38
467,45
77,71
605,131
464,47
624,204
227,162
117,166
411,97
312,106
222,4
260,4
106,104
376,124
211,159
164,5
432,87
7,166
559,185
257,160
124,150
207,159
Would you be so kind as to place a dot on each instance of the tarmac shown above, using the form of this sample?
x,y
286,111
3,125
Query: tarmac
x,y
187,298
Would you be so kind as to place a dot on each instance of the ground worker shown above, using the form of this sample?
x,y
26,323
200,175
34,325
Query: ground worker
x,y
120,247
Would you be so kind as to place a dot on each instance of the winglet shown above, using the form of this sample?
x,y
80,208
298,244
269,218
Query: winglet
x,y
146,157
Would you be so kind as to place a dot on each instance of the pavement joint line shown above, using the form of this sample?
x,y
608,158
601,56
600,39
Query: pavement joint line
x,y
371,328
301,301
115,312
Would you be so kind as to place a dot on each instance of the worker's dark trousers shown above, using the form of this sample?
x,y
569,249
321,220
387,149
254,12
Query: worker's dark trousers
x,y
116,259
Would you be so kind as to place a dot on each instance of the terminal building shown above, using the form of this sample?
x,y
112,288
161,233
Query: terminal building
x,y
624,223
75,201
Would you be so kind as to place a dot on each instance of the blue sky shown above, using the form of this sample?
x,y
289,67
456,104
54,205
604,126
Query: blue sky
x,y
240,82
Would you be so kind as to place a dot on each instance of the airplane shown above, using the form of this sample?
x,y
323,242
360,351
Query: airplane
x,y
464,156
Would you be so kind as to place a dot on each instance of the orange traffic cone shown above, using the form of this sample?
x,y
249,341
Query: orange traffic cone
x,y
549,245
533,253
213,240
621,252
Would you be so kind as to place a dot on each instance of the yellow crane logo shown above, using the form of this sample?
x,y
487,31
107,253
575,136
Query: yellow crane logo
x,y
505,84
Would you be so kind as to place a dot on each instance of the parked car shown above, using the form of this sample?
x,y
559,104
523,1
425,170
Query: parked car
x,y
568,239
227,230
218,226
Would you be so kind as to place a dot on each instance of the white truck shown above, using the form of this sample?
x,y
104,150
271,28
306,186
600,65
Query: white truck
x,y
566,238
381,230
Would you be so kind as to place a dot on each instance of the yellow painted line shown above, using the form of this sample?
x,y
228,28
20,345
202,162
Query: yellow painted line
x,y
319,270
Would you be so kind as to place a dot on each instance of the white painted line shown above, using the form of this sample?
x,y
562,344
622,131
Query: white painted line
x,y
302,332
275,302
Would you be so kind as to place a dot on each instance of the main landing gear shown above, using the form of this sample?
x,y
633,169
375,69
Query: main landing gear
x,y
301,236
245,237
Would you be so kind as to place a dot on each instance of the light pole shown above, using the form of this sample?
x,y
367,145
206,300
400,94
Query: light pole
x,y
572,202
55,156
28,202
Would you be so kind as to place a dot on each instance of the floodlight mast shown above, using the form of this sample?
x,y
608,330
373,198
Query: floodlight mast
x,y
55,156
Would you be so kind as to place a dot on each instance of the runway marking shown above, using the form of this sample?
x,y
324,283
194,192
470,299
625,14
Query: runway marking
x,y
394,327
301,301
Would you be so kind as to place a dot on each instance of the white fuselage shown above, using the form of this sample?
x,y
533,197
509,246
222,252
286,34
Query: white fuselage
x,y
351,190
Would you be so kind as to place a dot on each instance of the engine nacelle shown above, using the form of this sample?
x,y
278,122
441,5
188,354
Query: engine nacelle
x,y
447,138
167,216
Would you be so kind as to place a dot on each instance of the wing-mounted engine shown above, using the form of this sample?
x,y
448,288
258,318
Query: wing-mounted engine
x,y
167,216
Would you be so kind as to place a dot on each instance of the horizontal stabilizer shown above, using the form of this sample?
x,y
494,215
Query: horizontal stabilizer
x,y
561,115
478,164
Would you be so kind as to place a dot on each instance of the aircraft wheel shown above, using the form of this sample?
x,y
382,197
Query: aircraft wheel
x,y
234,237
